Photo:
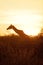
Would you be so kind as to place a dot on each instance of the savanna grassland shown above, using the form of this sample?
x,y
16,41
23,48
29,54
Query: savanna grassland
x,y
17,51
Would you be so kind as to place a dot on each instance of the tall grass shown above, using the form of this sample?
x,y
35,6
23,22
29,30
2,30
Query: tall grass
x,y
17,51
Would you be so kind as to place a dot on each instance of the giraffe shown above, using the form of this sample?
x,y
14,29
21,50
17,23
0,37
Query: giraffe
x,y
19,32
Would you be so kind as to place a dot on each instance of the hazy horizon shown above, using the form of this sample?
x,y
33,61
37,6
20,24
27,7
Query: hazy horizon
x,y
25,14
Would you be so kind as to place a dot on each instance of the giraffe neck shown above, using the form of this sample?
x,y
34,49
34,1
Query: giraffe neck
x,y
16,30
20,32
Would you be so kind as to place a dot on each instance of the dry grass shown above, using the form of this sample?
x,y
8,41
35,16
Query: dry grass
x,y
17,51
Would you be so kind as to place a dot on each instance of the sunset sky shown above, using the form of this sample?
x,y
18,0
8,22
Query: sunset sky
x,y
24,14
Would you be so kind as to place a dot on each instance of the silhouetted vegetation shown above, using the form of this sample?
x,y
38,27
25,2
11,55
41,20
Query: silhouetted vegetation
x,y
17,51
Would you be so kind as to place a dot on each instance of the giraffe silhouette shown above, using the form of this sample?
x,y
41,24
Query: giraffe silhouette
x,y
19,32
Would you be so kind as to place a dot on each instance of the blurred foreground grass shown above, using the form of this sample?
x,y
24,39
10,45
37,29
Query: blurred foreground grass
x,y
17,51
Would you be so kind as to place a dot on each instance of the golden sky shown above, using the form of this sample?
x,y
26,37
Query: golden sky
x,y
26,13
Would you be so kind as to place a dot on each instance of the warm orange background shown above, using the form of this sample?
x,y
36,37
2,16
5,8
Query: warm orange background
x,y
28,14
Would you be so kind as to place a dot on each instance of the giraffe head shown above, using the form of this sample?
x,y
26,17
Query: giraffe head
x,y
10,27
